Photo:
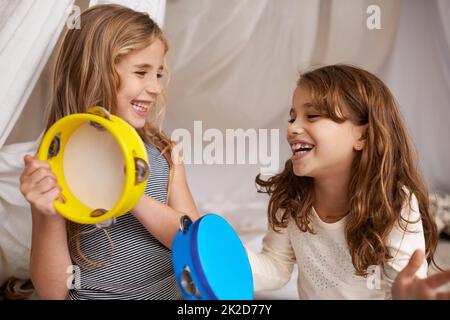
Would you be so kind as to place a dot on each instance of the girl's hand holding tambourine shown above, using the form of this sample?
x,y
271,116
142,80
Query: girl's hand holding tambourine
x,y
39,186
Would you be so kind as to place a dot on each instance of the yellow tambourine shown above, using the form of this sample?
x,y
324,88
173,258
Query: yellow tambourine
x,y
100,163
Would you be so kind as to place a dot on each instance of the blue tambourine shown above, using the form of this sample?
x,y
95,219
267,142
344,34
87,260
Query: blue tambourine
x,y
210,262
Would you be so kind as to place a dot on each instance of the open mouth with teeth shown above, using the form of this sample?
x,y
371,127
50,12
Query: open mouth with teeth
x,y
140,106
301,148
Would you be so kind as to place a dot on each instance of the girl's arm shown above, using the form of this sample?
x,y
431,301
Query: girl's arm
x,y
272,268
50,256
161,220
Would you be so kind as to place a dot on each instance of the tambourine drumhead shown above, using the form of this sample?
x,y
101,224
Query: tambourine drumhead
x,y
223,259
100,162
210,261
93,166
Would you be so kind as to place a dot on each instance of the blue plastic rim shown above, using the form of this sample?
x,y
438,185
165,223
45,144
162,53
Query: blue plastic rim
x,y
216,258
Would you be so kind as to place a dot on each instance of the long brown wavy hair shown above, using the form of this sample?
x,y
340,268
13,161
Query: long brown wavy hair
x,y
85,75
380,172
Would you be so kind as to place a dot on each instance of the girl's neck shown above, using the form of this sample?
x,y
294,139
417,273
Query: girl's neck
x,y
331,198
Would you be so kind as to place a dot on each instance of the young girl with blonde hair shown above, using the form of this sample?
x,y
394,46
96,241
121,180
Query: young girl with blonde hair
x,y
116,60
350,207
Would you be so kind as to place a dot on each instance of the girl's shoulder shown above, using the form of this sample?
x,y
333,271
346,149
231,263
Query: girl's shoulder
x,y
152,149
155,149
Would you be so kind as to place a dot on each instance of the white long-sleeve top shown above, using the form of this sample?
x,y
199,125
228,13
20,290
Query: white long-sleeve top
x,y
325,269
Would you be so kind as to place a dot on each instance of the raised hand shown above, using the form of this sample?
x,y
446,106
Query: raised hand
x,y
407,286
39,186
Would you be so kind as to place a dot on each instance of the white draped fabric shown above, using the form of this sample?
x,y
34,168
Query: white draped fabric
x,y
155,8
28,33
15,216
418,72
234,64
345,37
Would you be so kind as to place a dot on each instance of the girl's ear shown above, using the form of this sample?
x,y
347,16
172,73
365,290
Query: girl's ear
x,y
361,135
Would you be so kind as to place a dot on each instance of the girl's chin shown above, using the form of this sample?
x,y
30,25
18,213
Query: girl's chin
x,y
301,172
137,124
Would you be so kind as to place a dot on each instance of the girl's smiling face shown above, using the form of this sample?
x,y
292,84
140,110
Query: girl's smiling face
x,y
140,85
321,147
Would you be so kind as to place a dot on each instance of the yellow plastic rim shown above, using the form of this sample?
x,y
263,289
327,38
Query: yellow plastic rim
x,y
135,159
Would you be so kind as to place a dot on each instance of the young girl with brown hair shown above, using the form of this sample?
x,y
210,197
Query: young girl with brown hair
x,y
350,207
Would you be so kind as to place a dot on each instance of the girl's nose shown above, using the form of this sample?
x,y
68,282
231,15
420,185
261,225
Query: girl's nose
x,y
154,87
294,129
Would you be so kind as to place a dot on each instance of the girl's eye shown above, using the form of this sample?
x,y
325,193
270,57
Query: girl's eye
x,y
141,73
291,120
159,75
313,116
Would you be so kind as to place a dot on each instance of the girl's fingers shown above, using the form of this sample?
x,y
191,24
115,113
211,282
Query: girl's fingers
x,y
40,174
438,279
27,159
443,296
44,202
52,196
413,265
39,185
46,184
32,164
39,191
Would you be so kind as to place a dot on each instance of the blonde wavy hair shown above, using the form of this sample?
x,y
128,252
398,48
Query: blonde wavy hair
x,y
379,172
85,75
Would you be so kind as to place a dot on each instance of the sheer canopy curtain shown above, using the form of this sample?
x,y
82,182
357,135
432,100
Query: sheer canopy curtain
x,y
29,31
155,8
418,73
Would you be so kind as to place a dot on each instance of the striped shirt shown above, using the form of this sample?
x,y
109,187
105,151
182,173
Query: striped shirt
x,y
135,265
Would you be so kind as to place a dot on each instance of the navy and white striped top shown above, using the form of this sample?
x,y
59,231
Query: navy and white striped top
x,y
139,266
